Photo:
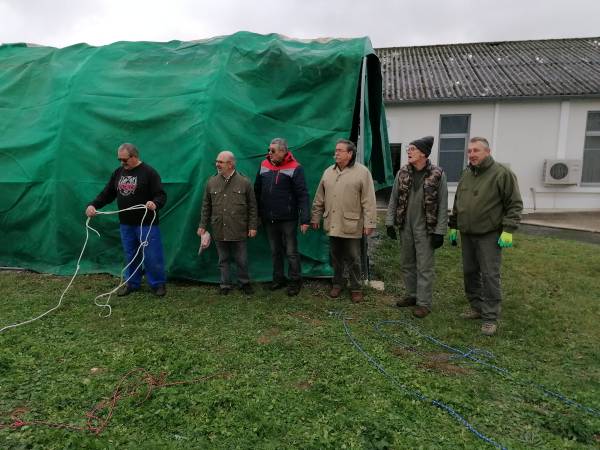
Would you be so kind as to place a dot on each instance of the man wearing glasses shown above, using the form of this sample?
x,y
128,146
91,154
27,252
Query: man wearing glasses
x,y
419,208
345,199
282,199
229,206
135,183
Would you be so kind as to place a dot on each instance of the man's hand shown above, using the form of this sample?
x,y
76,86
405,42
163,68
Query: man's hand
x,y
90,211
200,231
368,231
150,205
505,240
437,240
453,237
251,233
315,225
391,232
303,228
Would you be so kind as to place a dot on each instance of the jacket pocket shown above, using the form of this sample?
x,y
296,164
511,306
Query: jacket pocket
x,y
326,221
350,222
238,197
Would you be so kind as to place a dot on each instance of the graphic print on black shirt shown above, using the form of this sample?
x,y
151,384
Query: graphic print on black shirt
x,y
127,185
133,187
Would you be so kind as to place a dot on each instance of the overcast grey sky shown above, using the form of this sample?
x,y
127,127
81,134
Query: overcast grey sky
x,y
388,23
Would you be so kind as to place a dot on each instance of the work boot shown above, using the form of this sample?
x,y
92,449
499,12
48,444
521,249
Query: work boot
x,y
247,289
293,289
488,328
335,292
125,290
406,301
356,296
160,291
471,314
224,290
421,312
275,285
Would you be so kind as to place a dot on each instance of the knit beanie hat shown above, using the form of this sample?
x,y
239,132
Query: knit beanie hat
x,y
424,144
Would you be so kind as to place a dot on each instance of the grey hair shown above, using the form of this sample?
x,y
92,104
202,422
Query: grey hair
x,y
130,149
229,155
351,147
280,143
483,140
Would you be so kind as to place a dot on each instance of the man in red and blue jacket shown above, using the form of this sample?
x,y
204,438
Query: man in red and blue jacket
x,y
282,199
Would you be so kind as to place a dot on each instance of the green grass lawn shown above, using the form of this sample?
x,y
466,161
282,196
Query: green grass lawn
x,y
287,376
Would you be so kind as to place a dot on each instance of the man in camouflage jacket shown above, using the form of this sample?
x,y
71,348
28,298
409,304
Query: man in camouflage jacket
x,y
419,208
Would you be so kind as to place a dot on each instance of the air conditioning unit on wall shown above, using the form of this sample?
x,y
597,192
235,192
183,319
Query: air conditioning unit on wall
x,y
562,171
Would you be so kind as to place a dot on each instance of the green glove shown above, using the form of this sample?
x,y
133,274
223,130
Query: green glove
x,y
452,236
505,240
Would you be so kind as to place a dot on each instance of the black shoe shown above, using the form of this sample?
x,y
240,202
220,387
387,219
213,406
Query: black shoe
x,y
160,291
125,290
293,289
247,289
277,285
224,290
406,301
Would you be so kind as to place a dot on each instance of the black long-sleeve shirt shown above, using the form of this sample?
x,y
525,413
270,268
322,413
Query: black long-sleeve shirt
x,y
133,187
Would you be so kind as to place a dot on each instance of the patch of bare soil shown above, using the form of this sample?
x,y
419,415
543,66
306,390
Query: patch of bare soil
x,y
267,336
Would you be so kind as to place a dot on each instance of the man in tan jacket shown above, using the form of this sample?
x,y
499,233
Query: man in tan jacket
x,y
345,199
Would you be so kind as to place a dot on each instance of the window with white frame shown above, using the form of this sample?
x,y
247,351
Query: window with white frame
x,y
591,149
454,138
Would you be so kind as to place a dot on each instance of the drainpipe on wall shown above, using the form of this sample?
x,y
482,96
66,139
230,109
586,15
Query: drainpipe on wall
x,y
360,157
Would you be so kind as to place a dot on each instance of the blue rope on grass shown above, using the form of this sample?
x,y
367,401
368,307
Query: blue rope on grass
x,y
471,354
414,392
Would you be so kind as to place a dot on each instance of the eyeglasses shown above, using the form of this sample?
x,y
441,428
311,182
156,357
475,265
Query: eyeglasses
x,y
218,161
124,159
271,150
339,150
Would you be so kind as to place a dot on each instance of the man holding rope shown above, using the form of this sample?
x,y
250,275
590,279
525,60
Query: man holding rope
x,y
135,183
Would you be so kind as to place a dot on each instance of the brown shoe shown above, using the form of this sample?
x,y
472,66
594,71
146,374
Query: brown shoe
x,y
420,312
488,328
407,301
335,292
356,296
471,314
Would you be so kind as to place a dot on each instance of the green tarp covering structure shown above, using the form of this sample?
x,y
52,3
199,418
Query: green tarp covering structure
x,y
64,112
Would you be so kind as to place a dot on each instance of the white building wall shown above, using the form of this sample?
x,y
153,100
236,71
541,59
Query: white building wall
x,y
521,133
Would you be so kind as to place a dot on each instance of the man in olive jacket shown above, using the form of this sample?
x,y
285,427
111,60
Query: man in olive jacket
x,y
229,206
419,208
487,210
345,199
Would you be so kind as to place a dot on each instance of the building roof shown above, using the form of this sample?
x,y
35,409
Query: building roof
x,y
491,70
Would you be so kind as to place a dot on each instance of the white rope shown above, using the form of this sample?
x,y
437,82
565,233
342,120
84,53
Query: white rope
x,y
143,244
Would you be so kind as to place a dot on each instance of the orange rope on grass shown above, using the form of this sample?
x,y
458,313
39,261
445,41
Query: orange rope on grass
x,y
137,382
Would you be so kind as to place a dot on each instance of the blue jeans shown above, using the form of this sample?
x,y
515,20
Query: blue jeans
x,y
154,265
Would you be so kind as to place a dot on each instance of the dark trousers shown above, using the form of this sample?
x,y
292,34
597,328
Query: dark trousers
x,y
482,258
345,253
154,265
228,251
283,239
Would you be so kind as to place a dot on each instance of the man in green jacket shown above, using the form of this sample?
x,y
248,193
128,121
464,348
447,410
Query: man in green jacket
x,y
419,208
487,210
229,206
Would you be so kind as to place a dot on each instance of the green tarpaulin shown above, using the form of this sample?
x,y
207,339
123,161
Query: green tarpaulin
x,y
64,112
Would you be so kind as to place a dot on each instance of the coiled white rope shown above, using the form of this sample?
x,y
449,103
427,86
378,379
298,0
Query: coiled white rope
x,y
143,244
